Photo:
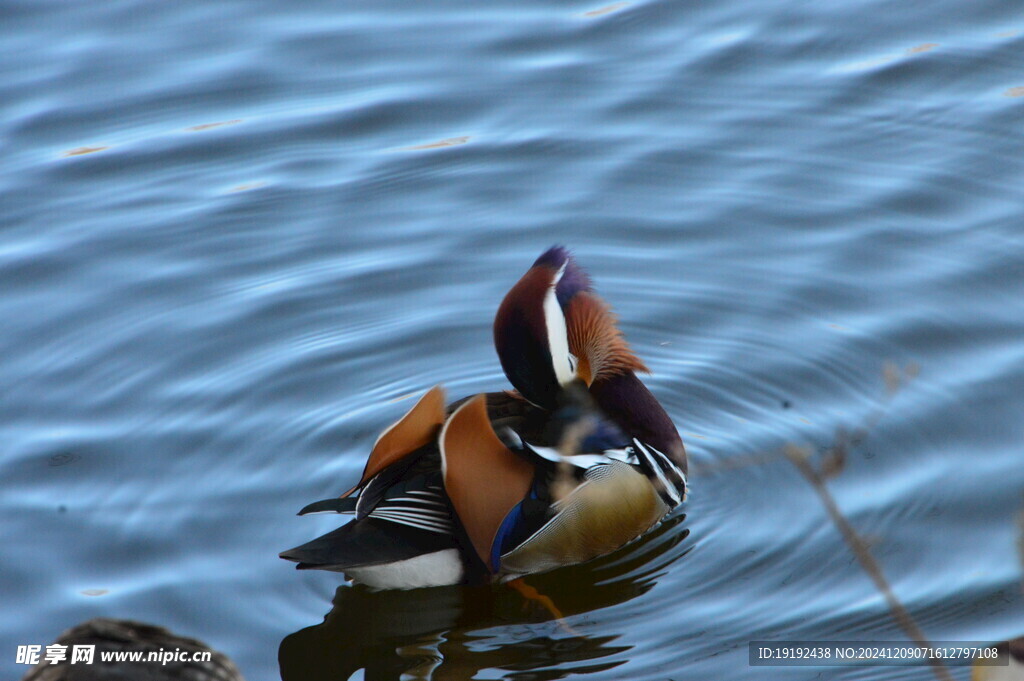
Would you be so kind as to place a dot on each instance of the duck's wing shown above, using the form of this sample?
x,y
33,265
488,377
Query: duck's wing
x,y
365,543
667,476
404,523
401,506
411,518
332,505
417,500
399,447
369,492
484,479
391,457
413,431
409,538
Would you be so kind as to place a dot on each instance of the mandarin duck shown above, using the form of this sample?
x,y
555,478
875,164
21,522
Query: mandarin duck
x,y
577,461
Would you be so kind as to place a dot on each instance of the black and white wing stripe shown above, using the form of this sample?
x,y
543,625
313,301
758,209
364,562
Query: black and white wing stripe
x,y
426,508
671,479
418,502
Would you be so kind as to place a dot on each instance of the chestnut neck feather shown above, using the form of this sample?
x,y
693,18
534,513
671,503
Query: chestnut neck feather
x,y
633,408
596,341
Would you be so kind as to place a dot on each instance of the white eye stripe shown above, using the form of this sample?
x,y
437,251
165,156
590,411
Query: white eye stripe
x,y
558,334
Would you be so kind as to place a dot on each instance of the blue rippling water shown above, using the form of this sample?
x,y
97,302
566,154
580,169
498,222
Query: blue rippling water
x,y
234,236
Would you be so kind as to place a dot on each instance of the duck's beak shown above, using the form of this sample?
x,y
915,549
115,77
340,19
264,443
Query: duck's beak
x,y
583,370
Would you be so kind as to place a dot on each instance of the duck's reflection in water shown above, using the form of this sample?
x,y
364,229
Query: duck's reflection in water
x,y
450,633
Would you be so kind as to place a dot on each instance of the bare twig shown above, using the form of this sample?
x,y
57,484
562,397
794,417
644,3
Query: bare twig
x,y
801,459
832,463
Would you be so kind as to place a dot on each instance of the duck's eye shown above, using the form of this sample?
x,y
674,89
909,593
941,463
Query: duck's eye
x,y
572,363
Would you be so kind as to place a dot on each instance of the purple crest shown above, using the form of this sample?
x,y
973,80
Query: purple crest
x,y
573,280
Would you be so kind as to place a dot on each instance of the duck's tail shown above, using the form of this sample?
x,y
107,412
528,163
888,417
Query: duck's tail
x,y
383,554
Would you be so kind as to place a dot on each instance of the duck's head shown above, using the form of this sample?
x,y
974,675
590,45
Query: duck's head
x,y
530,331
552,329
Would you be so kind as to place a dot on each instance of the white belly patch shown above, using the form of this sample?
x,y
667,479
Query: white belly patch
x,y
440,568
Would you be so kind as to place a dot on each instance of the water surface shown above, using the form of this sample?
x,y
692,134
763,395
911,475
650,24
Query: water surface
x,y
237,238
